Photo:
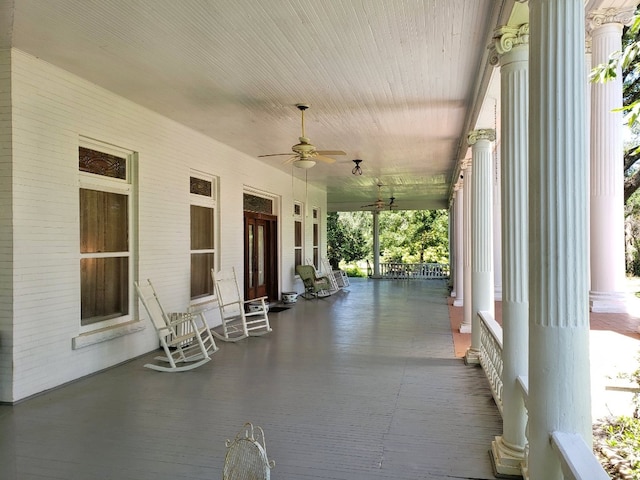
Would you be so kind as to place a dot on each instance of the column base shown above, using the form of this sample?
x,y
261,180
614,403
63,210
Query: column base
x,y
458,302
465,328
607,302
377,277
472,357
505,460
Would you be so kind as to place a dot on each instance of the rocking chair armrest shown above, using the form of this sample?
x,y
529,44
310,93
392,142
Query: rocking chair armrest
x,y
255,299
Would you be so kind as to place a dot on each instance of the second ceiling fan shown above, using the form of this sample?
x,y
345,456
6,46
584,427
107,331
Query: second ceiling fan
x,y
380,204
305,154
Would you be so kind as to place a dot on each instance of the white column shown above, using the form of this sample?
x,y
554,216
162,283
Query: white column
x,y
559,384
452,248
607,173
497,221
511,48
459,243
465,327
482,281
376,244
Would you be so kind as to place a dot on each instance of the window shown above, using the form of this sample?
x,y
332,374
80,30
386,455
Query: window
x,y
316,238
106,234
203,227
298,233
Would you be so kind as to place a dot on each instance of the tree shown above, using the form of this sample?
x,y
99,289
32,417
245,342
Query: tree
x,y
346,238
415,236
627,61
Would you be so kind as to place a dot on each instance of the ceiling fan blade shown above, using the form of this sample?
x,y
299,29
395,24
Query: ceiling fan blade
x,y
330,152
324,159
274,155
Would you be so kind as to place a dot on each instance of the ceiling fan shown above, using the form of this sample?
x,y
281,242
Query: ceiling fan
x,y
379,204
304,153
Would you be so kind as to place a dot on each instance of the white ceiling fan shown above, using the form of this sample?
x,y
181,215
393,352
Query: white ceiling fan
x,y
379,204
305,154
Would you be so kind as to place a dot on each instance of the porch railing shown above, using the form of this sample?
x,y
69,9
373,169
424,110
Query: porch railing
x,y
576,458
414,270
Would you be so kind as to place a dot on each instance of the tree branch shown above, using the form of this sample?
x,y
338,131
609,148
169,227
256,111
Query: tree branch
x,y
631,184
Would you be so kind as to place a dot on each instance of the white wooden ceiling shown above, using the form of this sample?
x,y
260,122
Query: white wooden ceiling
x,y
396,83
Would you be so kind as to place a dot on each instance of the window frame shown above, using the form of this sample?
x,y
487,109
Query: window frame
x,y
126,186
206,202
316,234
298,208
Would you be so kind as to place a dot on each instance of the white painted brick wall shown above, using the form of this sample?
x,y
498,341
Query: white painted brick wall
x,y
6,230
52,109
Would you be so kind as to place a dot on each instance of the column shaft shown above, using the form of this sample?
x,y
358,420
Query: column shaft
x,y
513,49
607,179
376,244
459,245
468,234
559,384
497,227
482,289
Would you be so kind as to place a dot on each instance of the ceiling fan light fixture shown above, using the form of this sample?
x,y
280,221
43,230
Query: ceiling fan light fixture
x,y
357,170
304,163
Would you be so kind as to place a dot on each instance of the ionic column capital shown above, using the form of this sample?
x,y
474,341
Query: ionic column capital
x,y
598,18
481,134
505,39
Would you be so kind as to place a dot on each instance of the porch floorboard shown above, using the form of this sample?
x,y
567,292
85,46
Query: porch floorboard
x,y
364,384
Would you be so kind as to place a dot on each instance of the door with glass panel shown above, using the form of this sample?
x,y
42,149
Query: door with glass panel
x,y
260,260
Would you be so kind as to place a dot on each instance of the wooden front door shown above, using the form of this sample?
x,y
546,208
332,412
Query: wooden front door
x,y
260,256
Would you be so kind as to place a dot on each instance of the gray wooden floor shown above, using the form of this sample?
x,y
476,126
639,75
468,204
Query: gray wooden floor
x,y
360,385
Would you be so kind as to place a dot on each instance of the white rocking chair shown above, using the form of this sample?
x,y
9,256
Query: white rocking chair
x,y
246,457
236,322
187,334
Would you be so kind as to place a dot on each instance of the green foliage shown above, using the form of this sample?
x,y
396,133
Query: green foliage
x,y
632,235
617,439
354,271
415,236
346,237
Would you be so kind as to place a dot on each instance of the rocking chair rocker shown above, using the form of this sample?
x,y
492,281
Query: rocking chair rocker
x,y
192,342
237,323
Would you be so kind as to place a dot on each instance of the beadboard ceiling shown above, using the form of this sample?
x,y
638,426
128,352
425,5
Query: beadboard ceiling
x,y
396,83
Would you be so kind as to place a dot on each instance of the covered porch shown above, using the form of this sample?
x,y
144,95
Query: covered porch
x,y
367,383
364,384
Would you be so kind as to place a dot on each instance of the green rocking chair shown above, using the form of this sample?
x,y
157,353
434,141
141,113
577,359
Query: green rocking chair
x,y
315,287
